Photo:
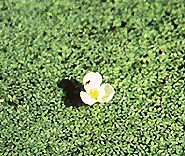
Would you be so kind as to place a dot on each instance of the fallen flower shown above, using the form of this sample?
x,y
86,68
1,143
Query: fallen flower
x,y
95,92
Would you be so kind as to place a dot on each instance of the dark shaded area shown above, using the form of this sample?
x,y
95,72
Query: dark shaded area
x,y
11,103
72,90
182,66
1,77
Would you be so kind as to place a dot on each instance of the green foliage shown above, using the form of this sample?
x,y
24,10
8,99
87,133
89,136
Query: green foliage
x,y
138,47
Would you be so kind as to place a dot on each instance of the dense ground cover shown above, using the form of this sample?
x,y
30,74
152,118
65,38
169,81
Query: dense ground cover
x,y
46,47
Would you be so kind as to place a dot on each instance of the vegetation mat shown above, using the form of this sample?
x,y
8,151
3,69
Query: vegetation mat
x,y
46,48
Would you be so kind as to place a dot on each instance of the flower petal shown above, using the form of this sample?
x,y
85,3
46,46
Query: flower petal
x,y
86,98
92,78
101,92
108,93
90,86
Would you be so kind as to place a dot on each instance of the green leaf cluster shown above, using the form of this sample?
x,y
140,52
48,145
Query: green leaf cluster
x,y
138,47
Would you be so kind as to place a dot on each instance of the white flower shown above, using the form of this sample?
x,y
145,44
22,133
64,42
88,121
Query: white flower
x,y
95,92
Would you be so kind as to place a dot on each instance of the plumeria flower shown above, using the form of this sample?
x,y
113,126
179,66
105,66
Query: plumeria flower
x,y
95,92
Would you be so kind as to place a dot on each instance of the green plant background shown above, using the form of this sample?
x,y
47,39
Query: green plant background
x,y
138,47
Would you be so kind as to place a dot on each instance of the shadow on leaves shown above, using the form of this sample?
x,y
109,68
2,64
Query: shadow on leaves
x,y
72,90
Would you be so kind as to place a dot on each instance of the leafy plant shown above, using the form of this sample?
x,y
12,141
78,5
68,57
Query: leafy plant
x,y
138,47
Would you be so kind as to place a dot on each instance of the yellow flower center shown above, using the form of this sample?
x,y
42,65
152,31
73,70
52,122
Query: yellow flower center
x,y
93,93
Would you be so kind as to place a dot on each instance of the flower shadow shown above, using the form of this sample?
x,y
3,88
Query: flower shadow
x,y
72,90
